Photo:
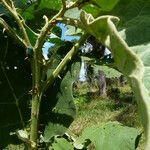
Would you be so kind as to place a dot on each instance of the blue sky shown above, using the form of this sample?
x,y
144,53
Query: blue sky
x,y
47,45
65,37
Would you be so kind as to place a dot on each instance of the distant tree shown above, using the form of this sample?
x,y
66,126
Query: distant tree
x,y
102,83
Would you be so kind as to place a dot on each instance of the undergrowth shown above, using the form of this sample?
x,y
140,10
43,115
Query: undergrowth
x,y
119,105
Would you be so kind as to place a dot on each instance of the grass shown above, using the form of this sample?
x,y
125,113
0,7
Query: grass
x,y
93,109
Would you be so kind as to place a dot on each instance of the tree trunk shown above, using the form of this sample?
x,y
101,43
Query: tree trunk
x,y
102,83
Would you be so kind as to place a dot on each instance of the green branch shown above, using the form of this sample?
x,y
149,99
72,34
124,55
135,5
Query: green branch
x,y
11,8
64,62
11,32
37,73
46,29
49,24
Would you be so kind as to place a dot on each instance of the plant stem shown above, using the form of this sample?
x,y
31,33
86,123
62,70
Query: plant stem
x,y
36,76
11,8
64,62
37,89
49,24
34,121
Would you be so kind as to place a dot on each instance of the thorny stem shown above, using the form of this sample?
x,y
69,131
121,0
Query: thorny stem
x,y
51,23
47,27
10,6
37,73
36,60
36,83
37,89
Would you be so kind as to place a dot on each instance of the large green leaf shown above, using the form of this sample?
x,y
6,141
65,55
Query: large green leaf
x,y
132,12
126,60
29,13
75,14
109,136
34,12
50,4
92,9
61,144
97,6
134,29
24,1
58,108
106,5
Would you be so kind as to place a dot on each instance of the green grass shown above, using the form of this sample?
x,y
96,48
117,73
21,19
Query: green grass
x,y
93,109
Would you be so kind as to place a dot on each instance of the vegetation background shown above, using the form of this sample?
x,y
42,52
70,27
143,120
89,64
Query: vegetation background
x,y
44,105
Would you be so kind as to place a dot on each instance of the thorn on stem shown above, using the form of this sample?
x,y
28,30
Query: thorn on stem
x,y
59,77
4,30
46,19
